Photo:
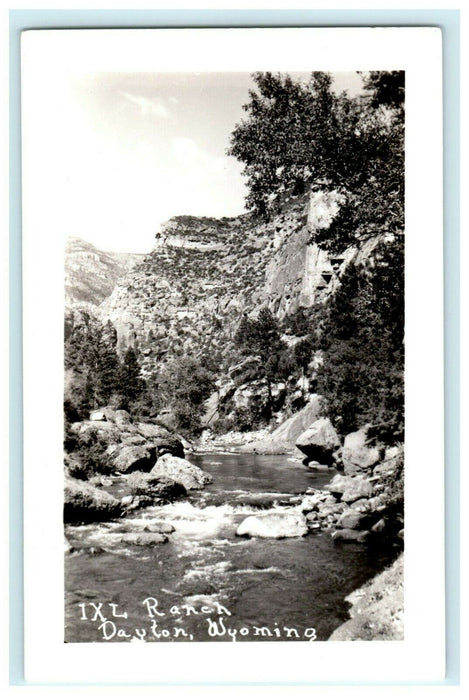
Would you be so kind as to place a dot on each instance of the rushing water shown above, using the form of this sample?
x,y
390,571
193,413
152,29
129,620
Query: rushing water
x,y
279,585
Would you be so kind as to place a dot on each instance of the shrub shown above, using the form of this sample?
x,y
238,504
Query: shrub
x,y
88,455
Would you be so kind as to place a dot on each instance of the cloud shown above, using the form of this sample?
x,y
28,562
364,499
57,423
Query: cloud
x,y
148,106
195,159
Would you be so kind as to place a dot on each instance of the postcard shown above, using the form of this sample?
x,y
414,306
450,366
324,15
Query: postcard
x,y
233,355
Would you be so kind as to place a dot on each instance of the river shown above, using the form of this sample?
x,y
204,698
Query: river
x,y
263,589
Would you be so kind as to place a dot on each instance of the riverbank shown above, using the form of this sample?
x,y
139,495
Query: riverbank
x,y
280,440
233,442
377,608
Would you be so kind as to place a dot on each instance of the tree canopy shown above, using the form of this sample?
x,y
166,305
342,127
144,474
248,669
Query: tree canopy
x,y
298,134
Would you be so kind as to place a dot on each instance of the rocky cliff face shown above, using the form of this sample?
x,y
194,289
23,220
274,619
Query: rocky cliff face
x,y
91,274
192,290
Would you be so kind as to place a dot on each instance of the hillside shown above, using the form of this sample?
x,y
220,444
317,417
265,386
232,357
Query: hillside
x,y
91,274
203,275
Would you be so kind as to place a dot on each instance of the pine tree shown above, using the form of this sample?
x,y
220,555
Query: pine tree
x,y
261,338
108,363
130,383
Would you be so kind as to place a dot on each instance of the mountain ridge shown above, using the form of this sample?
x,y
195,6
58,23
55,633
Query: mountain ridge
x,y
90,273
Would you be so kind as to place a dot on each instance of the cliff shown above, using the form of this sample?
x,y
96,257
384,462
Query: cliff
x,y
191,291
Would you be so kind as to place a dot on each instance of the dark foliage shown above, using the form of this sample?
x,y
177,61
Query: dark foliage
x,y
88,455
362,376
96,374
185,383
300,135
260,338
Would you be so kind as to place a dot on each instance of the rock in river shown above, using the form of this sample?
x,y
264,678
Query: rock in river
x,y
319,442
350,488
276,525
155,486
181,471
353,520
144,539
347,535
85,503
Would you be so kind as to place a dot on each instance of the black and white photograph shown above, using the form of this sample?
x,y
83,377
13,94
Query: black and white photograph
x,y
234,405
233,301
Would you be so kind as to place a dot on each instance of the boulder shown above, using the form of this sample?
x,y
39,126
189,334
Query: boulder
x,y
133,439
393,459
339,485
106,411
122,419
98,416
357,455
151,431
86,503
353,520
168,444
363,505
130,458
312,517
159,526
326,509
348,535
181,471
376,503
113,449
319,441
110,413
360,488
210,415
310,503
290,430
145,539
153,487
275,525
282,440
379,526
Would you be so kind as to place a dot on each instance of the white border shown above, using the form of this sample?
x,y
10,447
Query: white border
x,y
421,656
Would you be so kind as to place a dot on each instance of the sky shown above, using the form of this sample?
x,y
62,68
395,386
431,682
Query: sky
x,y
139,148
